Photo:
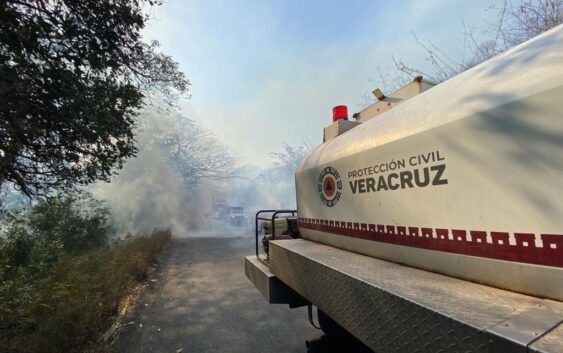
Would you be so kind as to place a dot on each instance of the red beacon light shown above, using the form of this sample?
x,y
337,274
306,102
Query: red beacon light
x,y
339,112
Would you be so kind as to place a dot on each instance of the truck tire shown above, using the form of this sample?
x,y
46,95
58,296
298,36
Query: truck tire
x,y
338,334
330,327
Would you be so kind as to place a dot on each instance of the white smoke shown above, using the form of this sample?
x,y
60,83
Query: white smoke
x,y
150,191
148,194
158,190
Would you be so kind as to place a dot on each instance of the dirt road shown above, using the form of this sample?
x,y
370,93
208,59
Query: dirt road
x,y
202,302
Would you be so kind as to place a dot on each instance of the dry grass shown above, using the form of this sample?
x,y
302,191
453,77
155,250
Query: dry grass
x,y
82,295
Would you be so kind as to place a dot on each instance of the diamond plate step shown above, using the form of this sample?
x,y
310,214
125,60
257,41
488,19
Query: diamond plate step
x,y
395,308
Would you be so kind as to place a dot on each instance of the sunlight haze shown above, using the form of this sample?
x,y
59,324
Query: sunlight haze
x,y
265,72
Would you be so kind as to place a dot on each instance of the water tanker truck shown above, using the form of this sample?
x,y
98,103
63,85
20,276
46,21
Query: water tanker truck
x,y
432,222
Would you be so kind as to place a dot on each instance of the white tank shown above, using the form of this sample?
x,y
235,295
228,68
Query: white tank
x,y
465,179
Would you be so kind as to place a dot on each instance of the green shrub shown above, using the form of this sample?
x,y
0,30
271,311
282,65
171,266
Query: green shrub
x,y
82,294
78,221
38,237
60,281
33,240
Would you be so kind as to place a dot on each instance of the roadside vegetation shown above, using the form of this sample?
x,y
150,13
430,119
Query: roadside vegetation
x,y
75,77
61,278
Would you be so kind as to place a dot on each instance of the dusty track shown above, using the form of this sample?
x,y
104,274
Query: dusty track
x,y
202,302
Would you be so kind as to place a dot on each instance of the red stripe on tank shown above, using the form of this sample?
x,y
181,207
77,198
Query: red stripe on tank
x,y
547,250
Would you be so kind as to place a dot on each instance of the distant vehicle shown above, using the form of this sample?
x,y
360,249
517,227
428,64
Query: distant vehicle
x,y
235,216
218,206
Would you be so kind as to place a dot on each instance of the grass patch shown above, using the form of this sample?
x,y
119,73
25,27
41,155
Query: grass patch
x,y
79,299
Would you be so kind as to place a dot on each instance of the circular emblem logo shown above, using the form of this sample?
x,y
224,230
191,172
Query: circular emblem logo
x,y
329,186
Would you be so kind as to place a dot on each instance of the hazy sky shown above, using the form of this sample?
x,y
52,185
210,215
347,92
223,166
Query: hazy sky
x,y
265,72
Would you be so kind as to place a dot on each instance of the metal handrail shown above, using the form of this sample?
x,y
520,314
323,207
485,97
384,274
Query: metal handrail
x,y
274,214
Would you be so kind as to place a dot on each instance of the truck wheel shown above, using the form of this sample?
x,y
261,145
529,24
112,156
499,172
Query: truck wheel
x,y
330,327
342,339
